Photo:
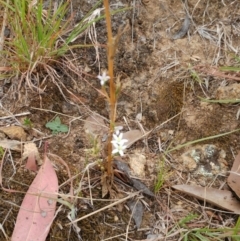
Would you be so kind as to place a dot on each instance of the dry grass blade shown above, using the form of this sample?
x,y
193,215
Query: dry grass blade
x,y
106,207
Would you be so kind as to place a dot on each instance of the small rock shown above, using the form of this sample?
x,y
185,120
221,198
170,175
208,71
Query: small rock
x,y
206,160
137,163
229,92
189,162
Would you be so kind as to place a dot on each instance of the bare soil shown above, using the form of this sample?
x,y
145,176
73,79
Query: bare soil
x,y
162,79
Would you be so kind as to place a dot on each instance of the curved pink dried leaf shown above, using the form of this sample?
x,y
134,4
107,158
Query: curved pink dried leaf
x,y
37,211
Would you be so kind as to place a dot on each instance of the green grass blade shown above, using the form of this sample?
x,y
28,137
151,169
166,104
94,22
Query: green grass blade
x,y
236,229
201,140
230,68
182,222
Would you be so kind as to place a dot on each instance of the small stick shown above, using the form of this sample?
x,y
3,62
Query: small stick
x,y
14,115
112,102
51,111
106,207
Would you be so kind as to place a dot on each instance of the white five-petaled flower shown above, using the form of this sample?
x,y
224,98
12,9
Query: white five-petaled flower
x,y
103,78
118,143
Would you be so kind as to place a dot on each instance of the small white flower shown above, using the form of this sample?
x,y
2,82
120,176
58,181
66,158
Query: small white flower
x,y
118,138
118,143
119,149
103,78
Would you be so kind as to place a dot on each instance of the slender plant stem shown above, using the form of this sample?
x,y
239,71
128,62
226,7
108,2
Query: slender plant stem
x,y
110,55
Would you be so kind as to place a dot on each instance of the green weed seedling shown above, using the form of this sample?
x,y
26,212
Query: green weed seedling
x,y
56,126
27,122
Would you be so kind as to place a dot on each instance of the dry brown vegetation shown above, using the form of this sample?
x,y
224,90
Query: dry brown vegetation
x,y
173,91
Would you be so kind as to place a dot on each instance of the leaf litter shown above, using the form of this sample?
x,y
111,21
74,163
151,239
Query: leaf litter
x,y
33,159
137,209
37,210
233,179
11,144
219,198
150,75
14,132
96,127
126,172
224,199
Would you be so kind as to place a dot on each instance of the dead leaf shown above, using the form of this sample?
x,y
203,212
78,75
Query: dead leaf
x,y
14,132
122,166
11,144
96,131
31,153
105,186
37,211
132,136
220,198
59,159
125,171
141,187
234,177
137,211
122,172
95,125
31,163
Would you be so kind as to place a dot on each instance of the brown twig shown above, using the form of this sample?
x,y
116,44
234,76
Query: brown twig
x,y
110,56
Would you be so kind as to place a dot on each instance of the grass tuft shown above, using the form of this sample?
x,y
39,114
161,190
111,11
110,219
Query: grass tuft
x,y
161,176
40,34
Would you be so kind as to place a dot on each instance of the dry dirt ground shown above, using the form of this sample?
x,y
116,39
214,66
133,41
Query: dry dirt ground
x,y
162,81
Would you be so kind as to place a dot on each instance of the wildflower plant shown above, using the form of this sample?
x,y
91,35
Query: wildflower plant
x,y
116,143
